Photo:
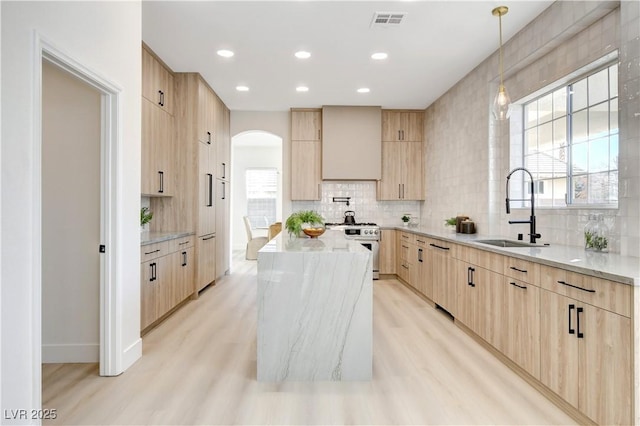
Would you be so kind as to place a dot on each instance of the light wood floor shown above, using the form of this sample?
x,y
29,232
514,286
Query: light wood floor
x,y
199,367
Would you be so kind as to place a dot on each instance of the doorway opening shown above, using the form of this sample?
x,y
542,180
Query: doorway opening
x,y
257,189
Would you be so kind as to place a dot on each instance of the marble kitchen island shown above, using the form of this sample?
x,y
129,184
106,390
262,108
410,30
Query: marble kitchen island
x,y
315,306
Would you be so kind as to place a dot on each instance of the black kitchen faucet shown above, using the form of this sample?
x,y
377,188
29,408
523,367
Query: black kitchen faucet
x,y
532,219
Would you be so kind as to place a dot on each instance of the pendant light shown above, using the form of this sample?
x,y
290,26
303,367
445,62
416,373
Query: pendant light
x,y
501,102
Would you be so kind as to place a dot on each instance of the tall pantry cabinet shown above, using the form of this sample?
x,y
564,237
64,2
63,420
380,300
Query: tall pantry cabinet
x,y
199,121
223,187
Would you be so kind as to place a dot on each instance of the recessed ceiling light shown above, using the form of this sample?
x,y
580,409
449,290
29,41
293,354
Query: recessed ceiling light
x,y
242,88
225,53
302,54
379,56
302,89
363,90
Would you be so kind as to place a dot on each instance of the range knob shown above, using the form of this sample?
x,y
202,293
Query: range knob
x,y
375,232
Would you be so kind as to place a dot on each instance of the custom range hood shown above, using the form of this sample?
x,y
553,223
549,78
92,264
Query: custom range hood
x,y
351,143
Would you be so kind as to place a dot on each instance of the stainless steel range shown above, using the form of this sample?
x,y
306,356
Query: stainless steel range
x,y
367,234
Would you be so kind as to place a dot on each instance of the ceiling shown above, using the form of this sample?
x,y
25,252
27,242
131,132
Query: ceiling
x,y
437,44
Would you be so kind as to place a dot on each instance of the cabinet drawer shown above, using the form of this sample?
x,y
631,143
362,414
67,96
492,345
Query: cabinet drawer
x,y
485,259
153,251
421,241
407,237
609,295
521,270
182,243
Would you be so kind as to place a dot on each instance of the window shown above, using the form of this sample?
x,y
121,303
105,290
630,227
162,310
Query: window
x,y
262,191
570,141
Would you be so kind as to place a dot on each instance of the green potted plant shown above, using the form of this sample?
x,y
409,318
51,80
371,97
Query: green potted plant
x,y
450,224
405,219
145,217
299,220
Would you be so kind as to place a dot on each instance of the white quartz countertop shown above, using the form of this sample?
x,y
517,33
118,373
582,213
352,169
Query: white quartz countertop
x,y
329,242
610,266
157,237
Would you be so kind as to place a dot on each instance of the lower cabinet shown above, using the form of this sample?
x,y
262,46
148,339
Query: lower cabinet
x,y
404,256
166,278
206,261
522,318
387,251
442,265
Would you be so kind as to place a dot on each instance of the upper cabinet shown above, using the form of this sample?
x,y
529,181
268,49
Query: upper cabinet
x,y
223,146
206,114
158,168
405,126
306,154
157,82
306,125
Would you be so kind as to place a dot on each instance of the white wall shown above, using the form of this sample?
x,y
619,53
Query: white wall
x,y
279,124
70,218
104,37
245,157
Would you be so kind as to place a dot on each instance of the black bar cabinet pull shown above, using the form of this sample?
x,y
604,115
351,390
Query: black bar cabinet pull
x,y
420,255
571,308
519,270
470,272
209,138
183,243
161,174
440,247
519,286
208,238
153,271
578,312
150,252
575,286
184,258
224,170
224,191
210,178
160,98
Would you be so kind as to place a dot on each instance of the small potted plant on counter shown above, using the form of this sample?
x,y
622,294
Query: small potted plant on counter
x,y
145,217
305,219
405,219
450,224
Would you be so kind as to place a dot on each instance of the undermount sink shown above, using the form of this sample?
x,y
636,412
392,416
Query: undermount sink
x,y
508,243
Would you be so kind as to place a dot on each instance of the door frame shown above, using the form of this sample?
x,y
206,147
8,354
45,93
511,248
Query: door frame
x,y
110,148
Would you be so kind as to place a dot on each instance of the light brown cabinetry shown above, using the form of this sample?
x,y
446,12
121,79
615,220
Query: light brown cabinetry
x,y
158,170
421,270
157,82
405,244
387,251
306,154
586,349
306,124
206,188
206,271
223,190
402,171
442,262
402,125
522,318
166,275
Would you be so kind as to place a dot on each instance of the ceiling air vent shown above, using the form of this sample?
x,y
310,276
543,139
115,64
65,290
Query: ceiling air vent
x,y
387,19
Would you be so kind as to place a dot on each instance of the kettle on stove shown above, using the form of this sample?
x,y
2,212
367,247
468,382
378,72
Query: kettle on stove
x,y
349,217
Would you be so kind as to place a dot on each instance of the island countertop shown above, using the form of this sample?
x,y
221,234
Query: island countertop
x,y
315,302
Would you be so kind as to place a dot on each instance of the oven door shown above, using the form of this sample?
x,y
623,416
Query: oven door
x,y
374,246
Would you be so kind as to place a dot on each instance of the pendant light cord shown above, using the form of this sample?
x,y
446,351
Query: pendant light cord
x,y
501,65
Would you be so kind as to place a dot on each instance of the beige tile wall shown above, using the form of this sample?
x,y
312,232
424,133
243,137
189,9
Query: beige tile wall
x,y
467,152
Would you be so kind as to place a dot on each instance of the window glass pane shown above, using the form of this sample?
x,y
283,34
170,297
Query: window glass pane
x,y
599,188
579,124
599,120
531,164
579,95
544,193
613,152
545,105
531,141
613,187
580,194
560,132
261,187
613,80
545,140
559,192
530,114
559,165
579,158
560,102
598,155
598,87
613,115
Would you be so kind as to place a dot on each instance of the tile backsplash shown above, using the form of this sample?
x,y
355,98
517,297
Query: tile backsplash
x,y
363,202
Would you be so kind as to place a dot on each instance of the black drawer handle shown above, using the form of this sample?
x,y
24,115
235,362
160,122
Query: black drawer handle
x,y
571,308
575,286
153,272
209,138
181,244
405,237
405,267
519,286
151,252
420,241
161,174
184,258
208,238
210,183
407,247
524,271
440,247
420,255
470,272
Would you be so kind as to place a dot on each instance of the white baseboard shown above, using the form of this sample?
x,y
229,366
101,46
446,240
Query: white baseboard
x,y
68,353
